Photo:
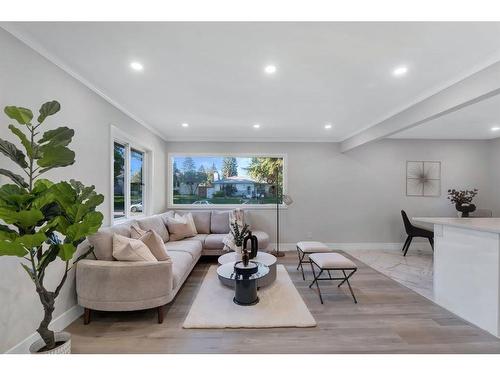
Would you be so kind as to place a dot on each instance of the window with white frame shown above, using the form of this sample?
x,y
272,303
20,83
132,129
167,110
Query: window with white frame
x,y
226,180
130,179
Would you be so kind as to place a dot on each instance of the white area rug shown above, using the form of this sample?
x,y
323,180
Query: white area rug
x,y
280,305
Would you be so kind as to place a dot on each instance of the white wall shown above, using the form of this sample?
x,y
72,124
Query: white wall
x,y
357,196
27,79
495,173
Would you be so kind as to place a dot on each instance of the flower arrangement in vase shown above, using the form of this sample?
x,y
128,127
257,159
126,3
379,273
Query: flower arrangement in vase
x,y
463,200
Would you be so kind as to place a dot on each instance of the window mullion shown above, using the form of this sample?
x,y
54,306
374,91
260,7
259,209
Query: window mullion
x,y
127,180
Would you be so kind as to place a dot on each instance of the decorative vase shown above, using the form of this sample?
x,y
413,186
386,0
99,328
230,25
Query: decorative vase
x,y
62,338
465,208
238,253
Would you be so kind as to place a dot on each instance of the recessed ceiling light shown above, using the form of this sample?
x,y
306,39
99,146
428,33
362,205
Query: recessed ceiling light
x,y
495,128
256,126
184,125
270,69
400,71
136,66
328,126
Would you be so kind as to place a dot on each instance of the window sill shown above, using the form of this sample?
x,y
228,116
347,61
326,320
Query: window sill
x,y
122,220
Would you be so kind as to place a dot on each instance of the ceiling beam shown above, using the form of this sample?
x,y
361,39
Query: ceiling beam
x,y
479,86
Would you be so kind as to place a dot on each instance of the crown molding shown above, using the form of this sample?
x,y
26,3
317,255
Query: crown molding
x,y
61,65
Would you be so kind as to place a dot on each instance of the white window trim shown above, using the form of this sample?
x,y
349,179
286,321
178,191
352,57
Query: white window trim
x,y
271,206
119,136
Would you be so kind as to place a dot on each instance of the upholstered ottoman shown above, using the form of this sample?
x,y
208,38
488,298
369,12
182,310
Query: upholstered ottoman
x,y
305,248
331,262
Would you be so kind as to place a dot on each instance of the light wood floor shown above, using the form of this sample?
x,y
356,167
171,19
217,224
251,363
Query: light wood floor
x,y
389,318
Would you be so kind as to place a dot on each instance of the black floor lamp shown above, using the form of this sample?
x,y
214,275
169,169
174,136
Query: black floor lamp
x,y
287,200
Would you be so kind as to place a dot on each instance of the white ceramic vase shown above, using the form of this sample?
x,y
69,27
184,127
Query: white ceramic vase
x,y
65,348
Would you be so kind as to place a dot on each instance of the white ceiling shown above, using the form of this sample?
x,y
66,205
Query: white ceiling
x,y
472,122
210,75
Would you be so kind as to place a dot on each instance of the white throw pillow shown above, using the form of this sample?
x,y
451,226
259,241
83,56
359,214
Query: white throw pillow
x,y
131,250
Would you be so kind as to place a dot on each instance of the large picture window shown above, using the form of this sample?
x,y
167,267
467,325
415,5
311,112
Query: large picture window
x,y
129,183
226,179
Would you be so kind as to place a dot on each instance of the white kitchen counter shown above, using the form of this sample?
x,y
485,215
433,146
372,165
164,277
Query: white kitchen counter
x,y
488,224
467,268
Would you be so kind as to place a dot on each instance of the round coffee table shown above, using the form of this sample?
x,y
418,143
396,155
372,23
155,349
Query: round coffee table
x,y
245,286
262,257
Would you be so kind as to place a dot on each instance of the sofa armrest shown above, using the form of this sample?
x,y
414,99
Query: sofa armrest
x,y
116,285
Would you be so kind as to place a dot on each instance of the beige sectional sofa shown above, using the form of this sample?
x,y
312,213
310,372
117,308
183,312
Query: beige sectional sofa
x,y
109,285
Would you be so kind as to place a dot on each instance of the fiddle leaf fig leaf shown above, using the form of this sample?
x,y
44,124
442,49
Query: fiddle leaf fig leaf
x,y
12,248
19,180
48,109
66,251
22,115
63,194
41,185
91,223
30,241
24,218
6,233
13,153
55,157
14,196
31,151
57,137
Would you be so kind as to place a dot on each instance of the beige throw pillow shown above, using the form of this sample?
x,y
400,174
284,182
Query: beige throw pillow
x,y
155,244
180,227
131,250
190,220
152,240
136,232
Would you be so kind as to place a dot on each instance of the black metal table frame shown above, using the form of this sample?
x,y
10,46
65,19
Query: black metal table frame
x,y
344,279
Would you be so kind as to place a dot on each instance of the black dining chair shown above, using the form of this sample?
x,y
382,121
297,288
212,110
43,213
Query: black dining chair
x,y
413,231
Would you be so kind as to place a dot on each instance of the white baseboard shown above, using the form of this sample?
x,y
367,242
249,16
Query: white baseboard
x,y
392,246
58,324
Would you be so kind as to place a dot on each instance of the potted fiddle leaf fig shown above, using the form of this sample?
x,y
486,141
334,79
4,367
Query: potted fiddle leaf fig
x,y
42,220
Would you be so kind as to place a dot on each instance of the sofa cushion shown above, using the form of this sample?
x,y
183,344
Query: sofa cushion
x,y
202,221
181,264
214,241
201,238
156,224
192,247
103,239
131,250
219,222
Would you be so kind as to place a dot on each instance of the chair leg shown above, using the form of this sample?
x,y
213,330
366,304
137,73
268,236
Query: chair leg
x,y
406,243
86,316
316,281
431,241
301,259
349,284
160,314
408,246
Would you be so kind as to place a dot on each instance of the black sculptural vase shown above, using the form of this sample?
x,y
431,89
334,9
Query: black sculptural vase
x,y
254,244
465,208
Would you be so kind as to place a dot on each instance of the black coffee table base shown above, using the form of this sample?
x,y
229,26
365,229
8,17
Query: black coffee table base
x,y
245,292
246,304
